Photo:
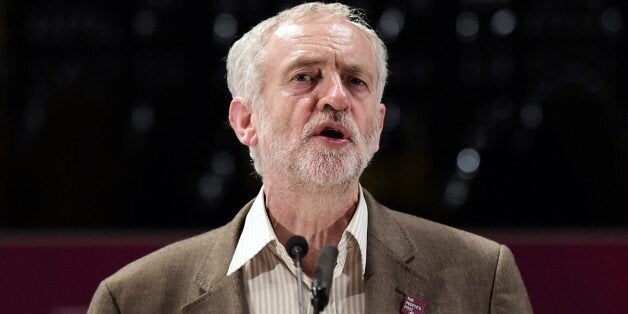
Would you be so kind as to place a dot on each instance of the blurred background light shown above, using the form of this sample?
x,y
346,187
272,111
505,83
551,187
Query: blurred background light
x,y
210,187
468,160
503,22
455,193
142,116
612,20
467,27
531,116
223,163
225,26
145,23
390,24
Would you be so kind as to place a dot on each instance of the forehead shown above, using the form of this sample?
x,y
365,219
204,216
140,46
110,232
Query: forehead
x,y
331,39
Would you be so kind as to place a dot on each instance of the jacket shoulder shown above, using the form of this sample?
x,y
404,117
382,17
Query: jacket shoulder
x,y
162,280
180,256
442,233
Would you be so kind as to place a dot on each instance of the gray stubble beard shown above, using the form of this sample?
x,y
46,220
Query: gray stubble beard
x,y
317,165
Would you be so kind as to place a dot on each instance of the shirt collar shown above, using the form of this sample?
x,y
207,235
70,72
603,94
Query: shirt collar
x,y
258,232
357,228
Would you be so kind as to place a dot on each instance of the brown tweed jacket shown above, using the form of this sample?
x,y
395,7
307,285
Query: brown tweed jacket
x,y
452,271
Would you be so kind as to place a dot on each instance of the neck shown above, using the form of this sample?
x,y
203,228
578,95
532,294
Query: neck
x,y
319,214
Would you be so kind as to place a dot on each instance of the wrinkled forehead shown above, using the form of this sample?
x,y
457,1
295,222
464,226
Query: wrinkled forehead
x,y
313,26
316,31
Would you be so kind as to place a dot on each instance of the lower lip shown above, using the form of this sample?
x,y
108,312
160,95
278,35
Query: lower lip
x,y
332,142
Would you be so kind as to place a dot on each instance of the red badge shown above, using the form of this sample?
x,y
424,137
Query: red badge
x,y
412,305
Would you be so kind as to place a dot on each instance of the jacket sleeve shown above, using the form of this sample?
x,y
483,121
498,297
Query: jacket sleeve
x,y
509,294
103,301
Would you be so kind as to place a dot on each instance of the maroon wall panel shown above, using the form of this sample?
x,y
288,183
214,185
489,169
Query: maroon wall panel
x,y
59,274
586,275
566,273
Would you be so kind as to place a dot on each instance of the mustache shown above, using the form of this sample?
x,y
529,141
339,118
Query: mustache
x,y
341,118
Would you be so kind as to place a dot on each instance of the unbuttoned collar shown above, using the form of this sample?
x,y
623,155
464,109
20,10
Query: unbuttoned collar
x,y
258,232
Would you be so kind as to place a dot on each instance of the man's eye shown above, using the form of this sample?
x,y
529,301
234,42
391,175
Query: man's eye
x,y
303,78
356,81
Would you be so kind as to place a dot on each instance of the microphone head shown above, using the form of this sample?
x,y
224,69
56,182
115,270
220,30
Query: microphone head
x,y
324,271
297,245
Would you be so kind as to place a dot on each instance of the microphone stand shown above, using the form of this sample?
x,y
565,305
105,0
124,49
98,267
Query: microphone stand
x,y
300,281
297,248
317,296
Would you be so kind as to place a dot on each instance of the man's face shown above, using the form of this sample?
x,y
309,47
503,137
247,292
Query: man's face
x,y
319,120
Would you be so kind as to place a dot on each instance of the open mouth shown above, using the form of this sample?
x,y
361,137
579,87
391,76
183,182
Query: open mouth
x,y
332,133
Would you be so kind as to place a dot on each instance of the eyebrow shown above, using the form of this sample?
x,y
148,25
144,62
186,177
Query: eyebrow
x,y
302,61
354,68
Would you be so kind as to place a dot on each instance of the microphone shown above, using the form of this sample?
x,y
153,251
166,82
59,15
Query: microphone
x,y
297,248
323,277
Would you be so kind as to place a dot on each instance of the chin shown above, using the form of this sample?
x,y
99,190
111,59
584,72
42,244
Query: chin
x,y
330,170
330,181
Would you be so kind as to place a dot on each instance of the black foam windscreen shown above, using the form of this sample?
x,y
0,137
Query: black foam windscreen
x,y
295,244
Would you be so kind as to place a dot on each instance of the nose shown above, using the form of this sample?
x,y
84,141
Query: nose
x,y
334,94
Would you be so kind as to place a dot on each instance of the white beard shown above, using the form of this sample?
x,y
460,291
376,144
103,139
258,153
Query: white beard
x,y
304,161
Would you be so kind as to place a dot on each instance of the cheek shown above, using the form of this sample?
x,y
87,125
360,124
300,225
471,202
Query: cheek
x,y
285,119
303,110
366,120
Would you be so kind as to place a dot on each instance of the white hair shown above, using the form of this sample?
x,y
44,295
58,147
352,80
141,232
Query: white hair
x,y
246,56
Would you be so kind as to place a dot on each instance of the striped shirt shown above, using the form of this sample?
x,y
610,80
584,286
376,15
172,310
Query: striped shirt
x,y
270,274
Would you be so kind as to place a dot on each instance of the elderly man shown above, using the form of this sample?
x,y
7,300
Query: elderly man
x,y
307,86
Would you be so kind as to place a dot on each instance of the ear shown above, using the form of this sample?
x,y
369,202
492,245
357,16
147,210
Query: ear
x,y
381,113
243,121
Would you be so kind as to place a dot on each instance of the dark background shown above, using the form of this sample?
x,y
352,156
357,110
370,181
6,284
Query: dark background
x,y
113,113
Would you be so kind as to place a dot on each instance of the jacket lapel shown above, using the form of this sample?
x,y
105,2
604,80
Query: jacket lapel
x,y
218,292
390,276
226,296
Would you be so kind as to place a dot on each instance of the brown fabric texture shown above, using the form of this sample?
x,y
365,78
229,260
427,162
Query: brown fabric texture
x,y
451,270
